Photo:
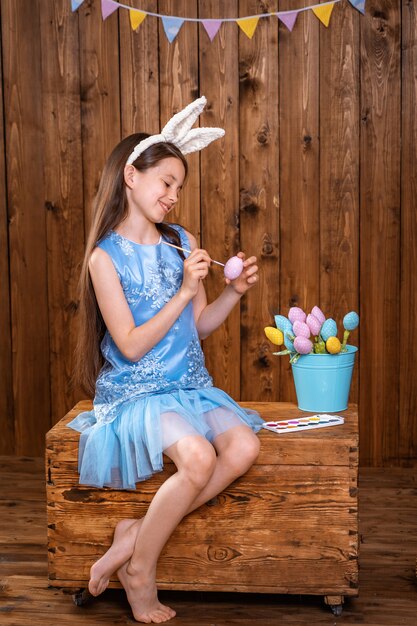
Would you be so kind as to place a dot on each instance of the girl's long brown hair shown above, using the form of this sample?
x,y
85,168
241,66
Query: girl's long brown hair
x,y
110,208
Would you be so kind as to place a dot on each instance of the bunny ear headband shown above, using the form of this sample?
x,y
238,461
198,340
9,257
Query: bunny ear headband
x,y
179,132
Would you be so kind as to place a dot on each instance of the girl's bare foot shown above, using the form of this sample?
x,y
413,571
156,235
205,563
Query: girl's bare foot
x,y
142,597
119,552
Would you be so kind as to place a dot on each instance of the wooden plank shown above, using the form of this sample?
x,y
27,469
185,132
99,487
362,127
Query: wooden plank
x,y
139,68
27,232
408,391
178,87
259,200
7,439
63,192
220,182
380,230
299,170
100,95
339,170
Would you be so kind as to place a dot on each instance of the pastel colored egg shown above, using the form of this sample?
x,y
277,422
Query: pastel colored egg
x,y
318,313
351,321
274,335
282,322
301,329
314,324
295,313
303,345
329,329
333,345
233,268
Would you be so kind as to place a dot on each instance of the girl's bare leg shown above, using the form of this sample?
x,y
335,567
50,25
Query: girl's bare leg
x,y
195,460
237,449
119,552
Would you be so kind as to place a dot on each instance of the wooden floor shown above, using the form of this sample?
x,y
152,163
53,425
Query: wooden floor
x,y
387,584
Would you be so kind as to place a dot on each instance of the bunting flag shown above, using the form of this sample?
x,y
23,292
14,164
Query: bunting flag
x,y
211,26
172,26
136,18
108,7
358,4
248,24
75,4
288,19
323,12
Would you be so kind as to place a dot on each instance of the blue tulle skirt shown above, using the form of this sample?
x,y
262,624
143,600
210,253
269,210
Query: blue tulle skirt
x,y
129,449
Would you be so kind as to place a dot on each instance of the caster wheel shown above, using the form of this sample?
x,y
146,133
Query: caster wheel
x,y
337,609
80,598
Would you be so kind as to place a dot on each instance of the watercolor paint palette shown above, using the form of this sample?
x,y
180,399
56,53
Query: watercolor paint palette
x,y
304,423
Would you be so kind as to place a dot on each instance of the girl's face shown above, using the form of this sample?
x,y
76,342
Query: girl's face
x,y
154,192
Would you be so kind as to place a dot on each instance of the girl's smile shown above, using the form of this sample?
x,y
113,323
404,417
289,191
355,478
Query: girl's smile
x,y
154,192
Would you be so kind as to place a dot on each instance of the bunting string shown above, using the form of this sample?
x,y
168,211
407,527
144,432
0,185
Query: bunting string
x,y
172,23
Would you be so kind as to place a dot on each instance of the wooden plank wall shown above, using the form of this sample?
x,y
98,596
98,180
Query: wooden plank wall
x,y
316,175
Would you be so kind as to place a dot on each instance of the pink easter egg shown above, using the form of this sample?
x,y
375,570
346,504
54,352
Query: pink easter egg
x,y
303,345
301,329
233,268
314,324
318,313
295,313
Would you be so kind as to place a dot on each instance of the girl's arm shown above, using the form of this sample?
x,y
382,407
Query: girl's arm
x,y
208,317
135,341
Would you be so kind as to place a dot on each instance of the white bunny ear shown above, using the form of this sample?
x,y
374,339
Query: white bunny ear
x,y
198,138
179,132
179,125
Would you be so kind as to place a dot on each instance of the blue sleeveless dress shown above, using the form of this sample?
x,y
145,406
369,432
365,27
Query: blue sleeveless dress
x,y
143,407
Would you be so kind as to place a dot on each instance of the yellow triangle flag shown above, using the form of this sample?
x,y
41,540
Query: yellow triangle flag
x,y
249,25
136,18
323,12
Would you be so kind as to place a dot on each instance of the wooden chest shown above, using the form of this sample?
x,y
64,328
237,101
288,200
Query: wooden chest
x,y
288,526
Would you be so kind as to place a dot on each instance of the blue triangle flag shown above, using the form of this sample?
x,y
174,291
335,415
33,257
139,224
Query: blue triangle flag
x,y
75,4
172,27
358,4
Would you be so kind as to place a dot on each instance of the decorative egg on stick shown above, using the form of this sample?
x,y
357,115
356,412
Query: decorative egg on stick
x,y
296,314
274,335
232,269
333,345
350,322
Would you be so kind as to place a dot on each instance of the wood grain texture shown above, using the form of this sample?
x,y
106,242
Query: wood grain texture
x,y
220,183
139,71
299,170
178,87
408,280
387,558
63,192
259,200
27,231
7,438
335,183
233,543
339,170
100,95
380,229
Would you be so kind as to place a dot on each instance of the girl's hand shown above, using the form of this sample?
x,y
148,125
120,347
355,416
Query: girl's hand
x,y
248,277
196,267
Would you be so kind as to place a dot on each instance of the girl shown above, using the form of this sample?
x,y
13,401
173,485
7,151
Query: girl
x,y
143,303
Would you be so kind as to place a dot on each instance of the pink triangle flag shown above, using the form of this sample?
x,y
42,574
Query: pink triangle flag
x,y
212,26
288,19
108,7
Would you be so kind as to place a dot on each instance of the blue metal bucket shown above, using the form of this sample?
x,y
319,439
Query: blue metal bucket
x,y
322,381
